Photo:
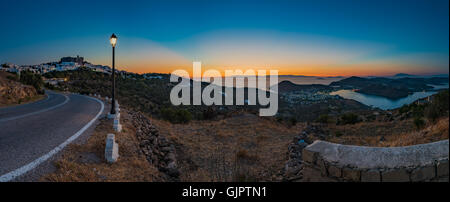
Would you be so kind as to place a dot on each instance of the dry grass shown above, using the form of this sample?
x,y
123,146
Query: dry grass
x,y
432,133
244,147
85,162
8,103
14,93
397,133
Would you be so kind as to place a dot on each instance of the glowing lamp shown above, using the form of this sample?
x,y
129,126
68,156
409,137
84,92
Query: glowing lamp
x,y
113,40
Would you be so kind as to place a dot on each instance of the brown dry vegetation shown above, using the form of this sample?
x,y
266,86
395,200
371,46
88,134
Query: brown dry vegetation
x,y
26,100
432,133
243,147
14,93
85,162
396,133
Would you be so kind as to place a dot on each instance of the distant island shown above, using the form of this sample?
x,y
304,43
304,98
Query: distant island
x,y
388,87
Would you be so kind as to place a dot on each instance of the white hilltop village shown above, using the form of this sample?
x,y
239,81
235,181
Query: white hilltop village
x,y
65,64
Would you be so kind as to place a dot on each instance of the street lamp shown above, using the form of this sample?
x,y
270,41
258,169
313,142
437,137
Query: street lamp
x,y
113,40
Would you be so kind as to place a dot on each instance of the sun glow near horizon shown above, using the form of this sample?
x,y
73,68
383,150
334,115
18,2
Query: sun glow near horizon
x,y
288,53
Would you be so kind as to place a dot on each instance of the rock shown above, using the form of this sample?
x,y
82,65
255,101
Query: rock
x,y
370,176
351,174
166,149
302,145
158,149
442,168
172,169
396,175
423,173
170,157
334,171
291,171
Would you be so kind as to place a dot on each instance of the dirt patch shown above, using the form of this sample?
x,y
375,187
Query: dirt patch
x,y
244,147
85,162
385,134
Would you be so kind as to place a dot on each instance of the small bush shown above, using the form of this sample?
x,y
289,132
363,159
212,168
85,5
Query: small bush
x,y
349,118
438,107
371,117
241,154
403,109
209,113
35,80
13,78
419,122
324,118
176,115
292,121
279,119
243,166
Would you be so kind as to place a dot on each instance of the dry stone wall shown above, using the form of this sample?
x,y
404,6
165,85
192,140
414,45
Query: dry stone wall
x,y
324,162
158,150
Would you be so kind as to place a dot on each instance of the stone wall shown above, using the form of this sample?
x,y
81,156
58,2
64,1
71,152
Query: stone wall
x,y
158,150
325,162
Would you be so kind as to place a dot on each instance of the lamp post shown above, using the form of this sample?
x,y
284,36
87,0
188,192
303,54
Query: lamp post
x,y
113,40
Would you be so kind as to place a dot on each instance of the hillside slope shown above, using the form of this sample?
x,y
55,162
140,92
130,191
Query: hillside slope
x,y
13,92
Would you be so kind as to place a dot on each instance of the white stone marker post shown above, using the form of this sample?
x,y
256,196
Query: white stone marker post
x,y
117,126
111,149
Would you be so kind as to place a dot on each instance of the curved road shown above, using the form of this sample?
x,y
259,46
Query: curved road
x,y
32,133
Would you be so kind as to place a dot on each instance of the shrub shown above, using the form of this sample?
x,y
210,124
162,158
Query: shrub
x,y
183,116
404,109
419,122
371,117
176,115
279,119
209,113
35,80
292,121
438,107
349,118
324,118
243,166
13,78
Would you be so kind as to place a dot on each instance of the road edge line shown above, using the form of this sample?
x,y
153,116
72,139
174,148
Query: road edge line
x,y
37,112
24,169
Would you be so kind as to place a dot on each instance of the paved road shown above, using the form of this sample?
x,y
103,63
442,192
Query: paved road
x,y
32,133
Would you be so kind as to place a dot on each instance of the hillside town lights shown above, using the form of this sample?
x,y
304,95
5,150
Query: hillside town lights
x,y
113,40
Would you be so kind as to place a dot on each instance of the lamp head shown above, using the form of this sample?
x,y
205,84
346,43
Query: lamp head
x,y
113,40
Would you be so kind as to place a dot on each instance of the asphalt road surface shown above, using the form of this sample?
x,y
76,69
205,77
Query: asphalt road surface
x,y
32,133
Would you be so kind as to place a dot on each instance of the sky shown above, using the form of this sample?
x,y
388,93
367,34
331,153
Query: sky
x,y
315,38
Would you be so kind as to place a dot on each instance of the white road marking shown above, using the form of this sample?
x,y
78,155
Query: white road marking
x,y
24,169
47,97
36,112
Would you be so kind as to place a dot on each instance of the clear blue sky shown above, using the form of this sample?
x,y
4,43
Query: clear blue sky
x,y
396,30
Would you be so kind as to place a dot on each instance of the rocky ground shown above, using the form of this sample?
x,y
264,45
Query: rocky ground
x,y
159,151
243,147
386,133
144,154
293,167
13,92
